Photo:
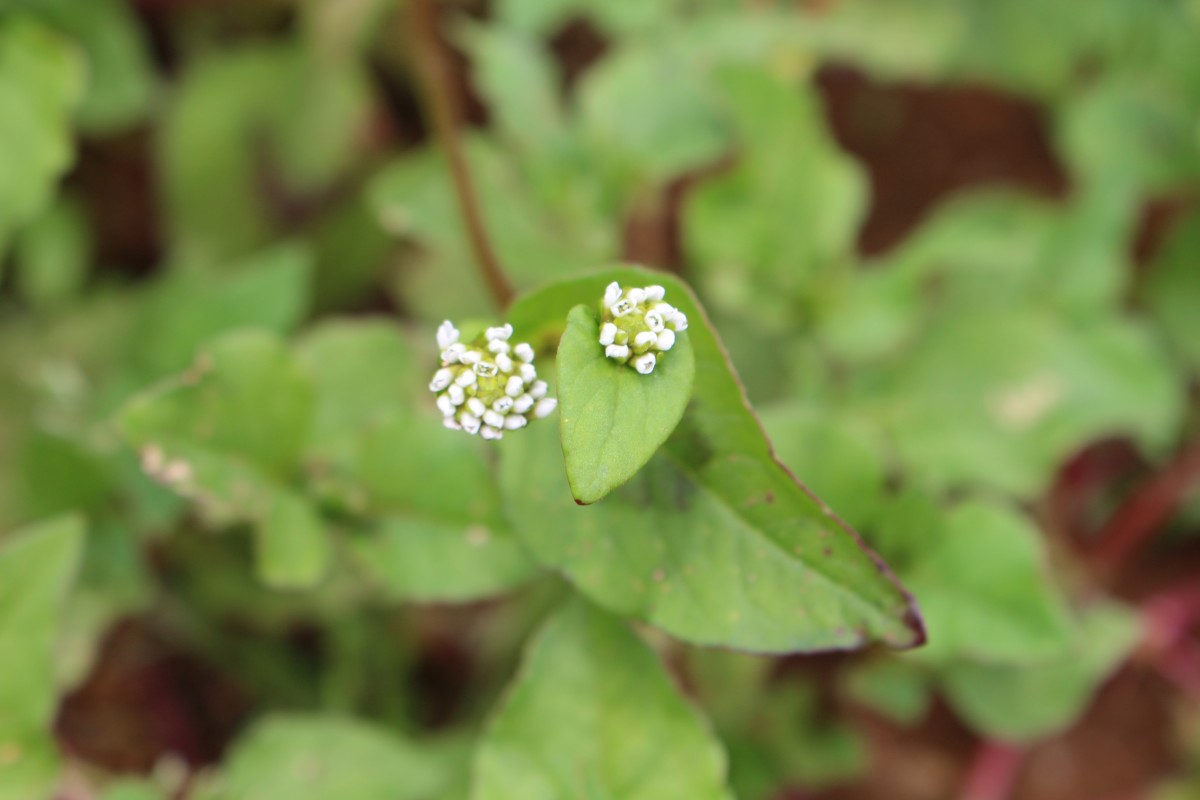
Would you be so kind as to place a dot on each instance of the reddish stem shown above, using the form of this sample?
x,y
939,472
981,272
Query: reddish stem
x,y
440,96
1149,507
993,772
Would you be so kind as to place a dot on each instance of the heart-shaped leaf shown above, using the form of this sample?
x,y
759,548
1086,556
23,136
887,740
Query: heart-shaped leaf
x,y
593,714
613,417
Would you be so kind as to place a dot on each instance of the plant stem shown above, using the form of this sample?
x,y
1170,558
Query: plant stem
x,y
440,102
1150,505
993,772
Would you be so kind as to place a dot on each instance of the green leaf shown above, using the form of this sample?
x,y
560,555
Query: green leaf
x,y
894,687
985,588
120,77
613,418
41,79
1173,289
37,566
363,372
593,714
314,758
714,541
228,435
268,290
1029,702
52,255
438,533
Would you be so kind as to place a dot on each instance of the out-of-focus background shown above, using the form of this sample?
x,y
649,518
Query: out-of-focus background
x,y
954,251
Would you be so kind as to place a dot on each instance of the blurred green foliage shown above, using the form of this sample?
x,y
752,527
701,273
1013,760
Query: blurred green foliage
x,y
224,443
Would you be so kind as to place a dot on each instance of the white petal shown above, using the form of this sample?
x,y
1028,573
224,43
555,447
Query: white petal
x,y
645,339
447,334
608,332
471,357
654,293
622,307
612,294
522,404
538,390
524,352
645,363
528,373
636,296
677,320
545,407
498,346
476,406
666,340
445,406
456,394
466,378
493,418
488,432
453,353
618,351
451,423
441,379
654,320
504,363
515,386
503,404
514,421
470,423
500,333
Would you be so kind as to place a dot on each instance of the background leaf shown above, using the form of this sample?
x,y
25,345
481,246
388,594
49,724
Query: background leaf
x,y
592,713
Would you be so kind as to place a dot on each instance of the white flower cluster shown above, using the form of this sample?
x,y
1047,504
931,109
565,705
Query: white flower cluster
x,y
637,325
489,387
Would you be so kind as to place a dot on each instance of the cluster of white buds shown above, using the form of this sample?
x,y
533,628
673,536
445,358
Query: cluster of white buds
x,y
488,387
637,325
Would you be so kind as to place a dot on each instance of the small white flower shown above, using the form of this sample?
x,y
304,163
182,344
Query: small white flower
x,y
489,385
447,334
441,379
654,293
608,333
636,296
612,293
645,339
654,320
677,320
501,333
645,363
545,407
617,351
666,340
622,307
